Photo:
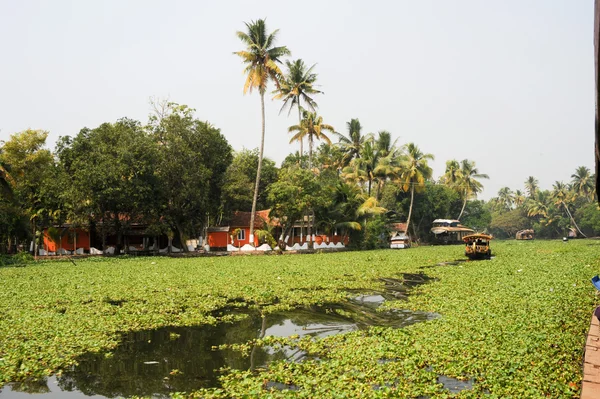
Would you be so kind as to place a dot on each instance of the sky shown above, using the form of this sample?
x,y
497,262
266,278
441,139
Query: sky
x,y
509,85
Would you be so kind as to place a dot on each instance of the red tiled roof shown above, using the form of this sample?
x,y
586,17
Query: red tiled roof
x,y
242,219
398,227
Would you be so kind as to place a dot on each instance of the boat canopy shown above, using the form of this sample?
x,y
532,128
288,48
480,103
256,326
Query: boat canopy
x,y
474,237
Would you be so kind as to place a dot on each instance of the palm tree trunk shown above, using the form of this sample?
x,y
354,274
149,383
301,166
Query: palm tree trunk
x,y
573,220
412,197
310,150
299,123
260,159
463,207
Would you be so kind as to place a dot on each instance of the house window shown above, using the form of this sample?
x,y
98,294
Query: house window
x,y
241,236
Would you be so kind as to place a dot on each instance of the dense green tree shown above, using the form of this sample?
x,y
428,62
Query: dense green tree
x,y
506,224
589,218
261,58
112,169
477,216
31,168
296,190
193,157
297,86
238,182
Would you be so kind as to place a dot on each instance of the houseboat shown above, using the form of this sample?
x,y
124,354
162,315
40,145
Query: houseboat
x,y
477,246
525,235
449,231
399,241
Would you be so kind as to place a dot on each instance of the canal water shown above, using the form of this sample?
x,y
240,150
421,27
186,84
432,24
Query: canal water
x,y
159,362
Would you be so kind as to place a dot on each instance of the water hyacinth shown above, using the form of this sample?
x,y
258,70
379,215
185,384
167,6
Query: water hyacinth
x,y
511,334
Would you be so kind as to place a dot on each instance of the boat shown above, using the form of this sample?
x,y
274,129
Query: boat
x,y
477,246
525,234
399,241
449,231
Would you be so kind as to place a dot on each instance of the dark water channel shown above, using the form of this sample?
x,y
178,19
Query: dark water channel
x,y
159,362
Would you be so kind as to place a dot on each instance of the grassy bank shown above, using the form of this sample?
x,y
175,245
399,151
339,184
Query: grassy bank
x,y
516,324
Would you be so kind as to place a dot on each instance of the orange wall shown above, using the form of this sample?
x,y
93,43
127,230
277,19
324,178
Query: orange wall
x,y
218,239
83,241
246,240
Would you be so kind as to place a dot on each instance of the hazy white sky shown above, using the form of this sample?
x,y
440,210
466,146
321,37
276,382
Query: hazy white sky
x,y
507,84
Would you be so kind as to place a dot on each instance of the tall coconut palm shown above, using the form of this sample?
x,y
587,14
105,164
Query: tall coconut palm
x,y
414,171
583,183
384,144
531,186
506,198
387,168
519,198
562,195
261,59
539,206
296,86
352,144
311,126
468,183
452,176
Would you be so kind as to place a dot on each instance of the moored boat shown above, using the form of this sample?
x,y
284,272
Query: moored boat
x,y
449,231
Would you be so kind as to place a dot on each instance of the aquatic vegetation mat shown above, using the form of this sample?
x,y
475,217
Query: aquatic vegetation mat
x,y
513,326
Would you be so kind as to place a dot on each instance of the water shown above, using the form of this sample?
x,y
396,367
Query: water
x,y
159,362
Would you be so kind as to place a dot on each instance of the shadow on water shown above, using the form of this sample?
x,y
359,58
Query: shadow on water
x,y
159,362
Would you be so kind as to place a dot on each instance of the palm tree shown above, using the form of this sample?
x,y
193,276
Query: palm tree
x,y
414,170
531,186
467,181
311,126
352,144
540,205
384,144
519,198
452,175
295,87
506,198
583,183
261,59
562,195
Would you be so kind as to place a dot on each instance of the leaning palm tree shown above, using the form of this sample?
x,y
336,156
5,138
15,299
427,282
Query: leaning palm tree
x,y
467,182
562,195
312,127
531,186
583,183
261,59
352,144
414,170
295,87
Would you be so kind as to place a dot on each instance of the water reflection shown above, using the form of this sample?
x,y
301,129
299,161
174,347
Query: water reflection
x,y
159,362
